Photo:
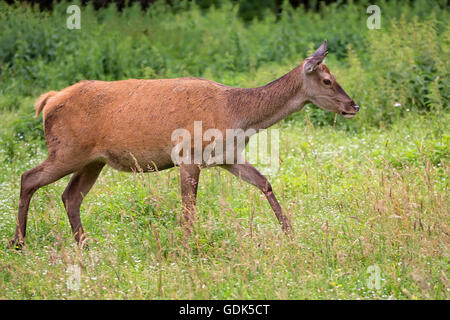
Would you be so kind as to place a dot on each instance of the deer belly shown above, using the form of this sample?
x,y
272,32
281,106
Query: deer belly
x,y
147,161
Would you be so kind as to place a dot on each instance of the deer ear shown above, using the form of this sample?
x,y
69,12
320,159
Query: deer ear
x,y
316,58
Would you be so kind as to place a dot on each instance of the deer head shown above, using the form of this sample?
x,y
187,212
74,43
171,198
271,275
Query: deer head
x,y
321,88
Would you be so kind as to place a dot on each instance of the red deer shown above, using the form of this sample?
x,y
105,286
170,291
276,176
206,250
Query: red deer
x,y
127,124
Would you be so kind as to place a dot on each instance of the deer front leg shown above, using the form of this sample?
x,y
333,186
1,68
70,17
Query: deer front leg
x,y
249,174
189,175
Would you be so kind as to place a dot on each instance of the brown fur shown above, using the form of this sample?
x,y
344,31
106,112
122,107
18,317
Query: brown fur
x,y
42,101
128,125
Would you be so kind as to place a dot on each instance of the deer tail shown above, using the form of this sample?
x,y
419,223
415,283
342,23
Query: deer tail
x,y
42,101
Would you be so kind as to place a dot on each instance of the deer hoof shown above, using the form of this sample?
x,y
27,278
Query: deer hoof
x,y
16,244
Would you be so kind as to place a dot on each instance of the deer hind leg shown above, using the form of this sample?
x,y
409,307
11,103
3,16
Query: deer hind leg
x,y
249,174
78,187
189,176
47,172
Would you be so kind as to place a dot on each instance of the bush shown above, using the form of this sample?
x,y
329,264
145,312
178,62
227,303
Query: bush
x,y
404,63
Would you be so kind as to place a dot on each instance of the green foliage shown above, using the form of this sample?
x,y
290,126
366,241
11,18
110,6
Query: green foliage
x,y
368,191
404,63
25,129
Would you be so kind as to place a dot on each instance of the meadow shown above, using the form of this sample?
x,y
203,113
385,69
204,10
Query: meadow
x,y
368,197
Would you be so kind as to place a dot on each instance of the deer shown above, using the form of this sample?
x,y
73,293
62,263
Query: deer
x,y
127,124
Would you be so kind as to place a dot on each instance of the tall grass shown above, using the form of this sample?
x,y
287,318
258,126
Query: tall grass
x,y
376,198
372,191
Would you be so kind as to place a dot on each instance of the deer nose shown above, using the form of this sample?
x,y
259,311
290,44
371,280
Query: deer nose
x,y
356,108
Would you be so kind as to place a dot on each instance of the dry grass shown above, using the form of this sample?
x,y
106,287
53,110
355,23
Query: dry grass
x,y
353,204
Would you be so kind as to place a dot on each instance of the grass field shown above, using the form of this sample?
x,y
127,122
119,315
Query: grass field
x,y
377,198
368,197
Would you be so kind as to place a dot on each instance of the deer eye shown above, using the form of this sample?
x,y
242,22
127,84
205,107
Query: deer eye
x,y
327,82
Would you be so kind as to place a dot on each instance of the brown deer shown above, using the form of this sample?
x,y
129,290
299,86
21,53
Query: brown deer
x,y
128,124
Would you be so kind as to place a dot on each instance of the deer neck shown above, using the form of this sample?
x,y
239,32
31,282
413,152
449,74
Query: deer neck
x,y
260,108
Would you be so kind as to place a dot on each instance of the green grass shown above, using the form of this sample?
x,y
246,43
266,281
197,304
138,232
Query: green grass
x,y
371,191
376,198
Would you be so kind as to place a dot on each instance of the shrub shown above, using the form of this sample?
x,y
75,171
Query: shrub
x,y
404,63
